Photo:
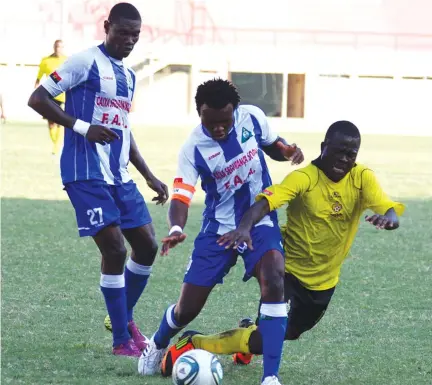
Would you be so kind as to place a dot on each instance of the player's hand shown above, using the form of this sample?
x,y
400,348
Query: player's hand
x,y
380,221
236,239
172,241
101,134
160,188
3,118
294,154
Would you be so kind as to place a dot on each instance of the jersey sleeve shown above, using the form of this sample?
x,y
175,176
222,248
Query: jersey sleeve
x,y
186,177
374,196
72,72
294,184
41,71
267,137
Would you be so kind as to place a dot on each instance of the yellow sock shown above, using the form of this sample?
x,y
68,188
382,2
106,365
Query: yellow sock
x,y
58,138
229,342
53,132
55,135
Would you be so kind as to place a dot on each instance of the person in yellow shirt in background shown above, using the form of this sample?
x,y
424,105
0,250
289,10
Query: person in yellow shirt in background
x,y
325,202
47,67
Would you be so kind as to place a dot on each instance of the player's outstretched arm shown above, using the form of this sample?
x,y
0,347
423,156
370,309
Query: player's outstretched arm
x,y
377,200
281,151
154,183
388,221
241,235
177,218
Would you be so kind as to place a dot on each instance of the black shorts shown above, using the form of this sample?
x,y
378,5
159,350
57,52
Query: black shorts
x,y
307,307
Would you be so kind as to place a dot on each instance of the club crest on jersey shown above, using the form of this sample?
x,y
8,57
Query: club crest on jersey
x,y
337,211
337,207
55,77
246,135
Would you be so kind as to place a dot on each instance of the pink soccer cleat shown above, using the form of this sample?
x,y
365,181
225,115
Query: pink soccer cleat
x,y
128,349
140,340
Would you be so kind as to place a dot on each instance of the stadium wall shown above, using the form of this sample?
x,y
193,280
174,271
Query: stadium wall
x,y
306,63
383,93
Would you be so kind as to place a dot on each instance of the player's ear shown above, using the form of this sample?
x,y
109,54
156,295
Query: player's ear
x,y
106,26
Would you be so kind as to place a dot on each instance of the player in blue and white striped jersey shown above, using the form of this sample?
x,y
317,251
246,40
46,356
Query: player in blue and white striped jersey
x,y
226,151
97,149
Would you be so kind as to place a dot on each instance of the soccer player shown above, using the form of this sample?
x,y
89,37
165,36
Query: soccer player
x,y
325,202
226,151
46,67
98,146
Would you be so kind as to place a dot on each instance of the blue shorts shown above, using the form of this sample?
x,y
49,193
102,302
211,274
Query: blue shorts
x,y
210,262
98,205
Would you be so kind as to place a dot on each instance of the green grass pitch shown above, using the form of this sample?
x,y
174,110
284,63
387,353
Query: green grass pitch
x,y
377,329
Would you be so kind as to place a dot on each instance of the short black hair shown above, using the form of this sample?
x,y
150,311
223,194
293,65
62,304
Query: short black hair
x,y
123,11
343,127
217,93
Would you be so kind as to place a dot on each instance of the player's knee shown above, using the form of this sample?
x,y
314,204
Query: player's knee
x,y
272,285
116,254
146,253
153,247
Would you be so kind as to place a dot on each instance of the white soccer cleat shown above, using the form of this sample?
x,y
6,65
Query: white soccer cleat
x,y
273,380
150,361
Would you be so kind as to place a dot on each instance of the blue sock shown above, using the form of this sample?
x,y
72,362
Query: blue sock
x,y
113,289
168,328
136,277
272,325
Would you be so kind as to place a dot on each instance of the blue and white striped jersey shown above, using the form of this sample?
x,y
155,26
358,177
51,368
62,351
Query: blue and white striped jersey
x,y
99,90
232,171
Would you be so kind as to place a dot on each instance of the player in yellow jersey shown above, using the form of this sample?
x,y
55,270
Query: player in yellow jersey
x,y
47,67
325,202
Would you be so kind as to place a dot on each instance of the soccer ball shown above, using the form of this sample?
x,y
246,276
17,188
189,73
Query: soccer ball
x,y
197,367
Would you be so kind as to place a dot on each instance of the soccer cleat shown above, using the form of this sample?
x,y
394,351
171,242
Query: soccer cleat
x,y
128,349
140,339
272,380
183,345
150,361
243,358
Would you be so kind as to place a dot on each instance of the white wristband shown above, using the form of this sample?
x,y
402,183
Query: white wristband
x,y
175,229
81,127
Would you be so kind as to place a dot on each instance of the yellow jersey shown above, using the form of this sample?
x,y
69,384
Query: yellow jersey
x,y
47,66
323,218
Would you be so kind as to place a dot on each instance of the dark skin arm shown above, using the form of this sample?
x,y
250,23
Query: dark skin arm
x,y
235,238
155,184
177,216
241,235
388,221
42,102
281,151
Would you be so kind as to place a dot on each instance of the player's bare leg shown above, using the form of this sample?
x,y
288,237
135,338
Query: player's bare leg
x,y
111,245
192,300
